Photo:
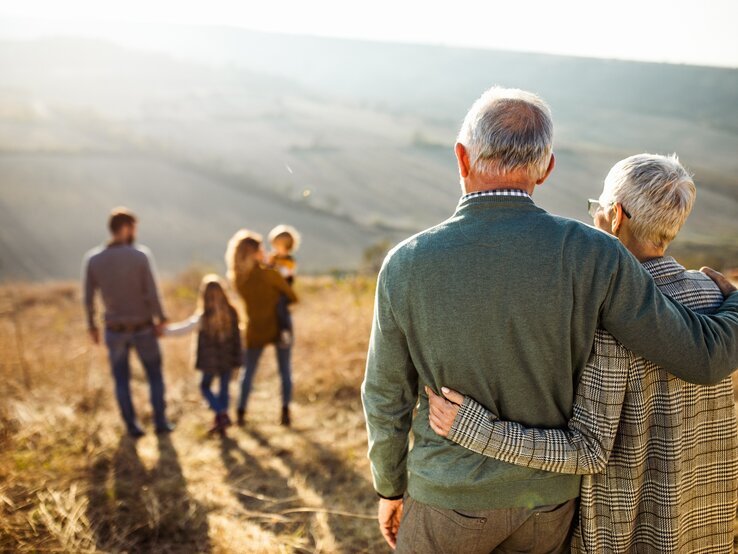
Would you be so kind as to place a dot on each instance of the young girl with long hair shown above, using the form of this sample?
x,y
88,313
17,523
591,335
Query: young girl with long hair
x,y
218,345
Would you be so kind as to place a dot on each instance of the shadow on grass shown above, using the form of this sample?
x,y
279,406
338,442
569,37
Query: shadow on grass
x,y
341,487
265,495
136,510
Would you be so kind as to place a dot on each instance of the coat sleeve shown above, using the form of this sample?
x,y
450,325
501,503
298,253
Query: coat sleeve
x,y
283,286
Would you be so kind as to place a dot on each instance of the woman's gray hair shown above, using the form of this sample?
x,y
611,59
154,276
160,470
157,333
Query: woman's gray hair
x,y
658,193
507,130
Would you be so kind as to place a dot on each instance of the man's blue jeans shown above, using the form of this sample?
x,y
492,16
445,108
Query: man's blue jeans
x,y
147,347
251,361
219,403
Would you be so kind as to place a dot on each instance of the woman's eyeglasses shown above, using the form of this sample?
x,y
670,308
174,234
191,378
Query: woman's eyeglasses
x,y
594,206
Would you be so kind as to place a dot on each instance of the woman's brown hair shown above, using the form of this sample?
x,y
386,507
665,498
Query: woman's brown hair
x,y
241,254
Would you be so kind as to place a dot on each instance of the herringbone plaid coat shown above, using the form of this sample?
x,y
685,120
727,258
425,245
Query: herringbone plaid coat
x,y
659,455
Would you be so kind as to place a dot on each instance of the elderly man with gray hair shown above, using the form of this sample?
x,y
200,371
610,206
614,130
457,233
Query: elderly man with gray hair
x,y
504,300
660,453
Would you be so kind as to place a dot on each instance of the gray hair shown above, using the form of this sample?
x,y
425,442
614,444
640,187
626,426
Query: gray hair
x,y
506,130
657,191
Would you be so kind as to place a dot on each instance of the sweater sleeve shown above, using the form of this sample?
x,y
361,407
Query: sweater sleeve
x,y
150,289
89,287
701,349
183,327
389,394
584,446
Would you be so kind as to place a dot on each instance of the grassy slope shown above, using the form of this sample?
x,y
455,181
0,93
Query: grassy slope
x,y
69,481
202,150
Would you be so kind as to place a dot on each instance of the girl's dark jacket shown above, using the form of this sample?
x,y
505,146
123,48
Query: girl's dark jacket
x,y
215,355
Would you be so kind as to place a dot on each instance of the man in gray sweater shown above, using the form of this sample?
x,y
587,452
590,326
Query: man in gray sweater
x,y
134,317
503,300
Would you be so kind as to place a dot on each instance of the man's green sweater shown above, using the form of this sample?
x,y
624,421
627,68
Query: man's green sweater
x,y
501,302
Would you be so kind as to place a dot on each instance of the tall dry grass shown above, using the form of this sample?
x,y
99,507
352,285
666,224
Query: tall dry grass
x,y
71,481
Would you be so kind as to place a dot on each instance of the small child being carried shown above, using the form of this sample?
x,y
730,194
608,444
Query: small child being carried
x,y
218,345
285,240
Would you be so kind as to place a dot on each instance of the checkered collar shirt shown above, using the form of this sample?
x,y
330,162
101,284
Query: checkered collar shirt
x,y
499,192
659,455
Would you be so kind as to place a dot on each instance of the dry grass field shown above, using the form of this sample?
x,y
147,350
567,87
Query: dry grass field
x,y
70,481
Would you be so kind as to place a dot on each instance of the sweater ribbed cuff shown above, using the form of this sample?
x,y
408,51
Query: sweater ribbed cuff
x,y
391,497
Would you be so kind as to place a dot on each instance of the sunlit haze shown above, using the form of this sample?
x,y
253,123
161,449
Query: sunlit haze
x,y
675,31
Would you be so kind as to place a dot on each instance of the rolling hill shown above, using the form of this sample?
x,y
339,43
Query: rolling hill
x,y
203,130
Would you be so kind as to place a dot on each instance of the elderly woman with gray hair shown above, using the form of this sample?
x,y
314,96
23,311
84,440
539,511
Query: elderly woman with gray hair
x,y
659,451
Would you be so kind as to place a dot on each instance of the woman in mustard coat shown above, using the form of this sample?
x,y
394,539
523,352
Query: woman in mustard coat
x,y
260,287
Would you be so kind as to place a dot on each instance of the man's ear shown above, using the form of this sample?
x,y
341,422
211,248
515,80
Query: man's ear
x,y
549,169
462,157
617,218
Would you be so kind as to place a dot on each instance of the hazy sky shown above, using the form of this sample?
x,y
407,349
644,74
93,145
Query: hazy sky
x,y
681,31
